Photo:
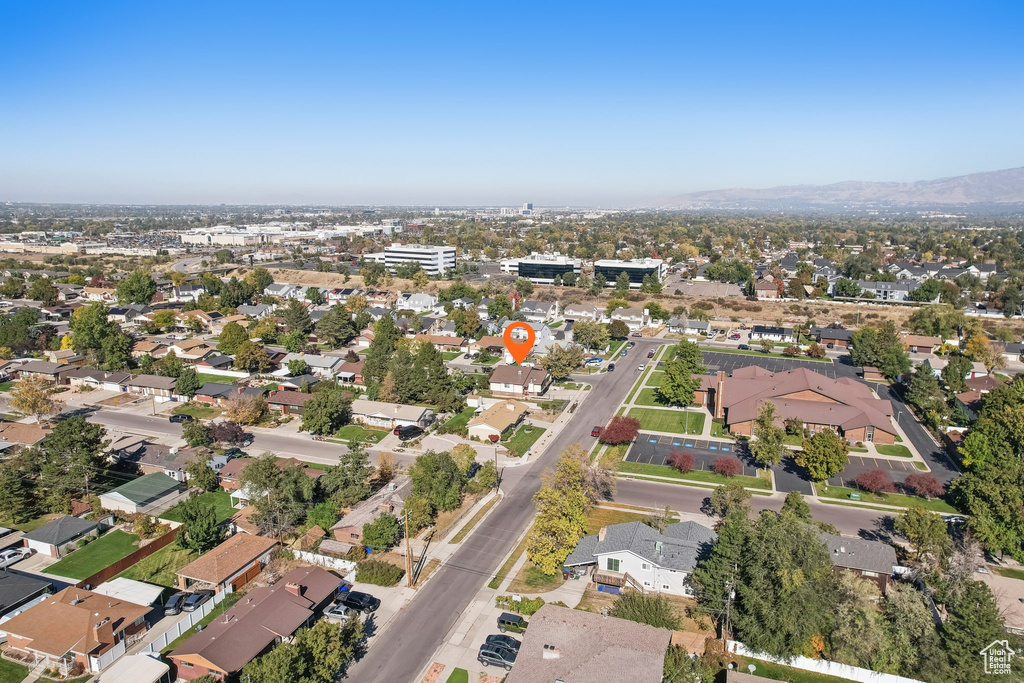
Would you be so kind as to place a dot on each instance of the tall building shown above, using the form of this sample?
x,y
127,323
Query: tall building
x,y
635,269
541,269
433,260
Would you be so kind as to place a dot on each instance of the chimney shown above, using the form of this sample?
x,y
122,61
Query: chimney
x,y
551,652
240,390
601,534
510,405
295,589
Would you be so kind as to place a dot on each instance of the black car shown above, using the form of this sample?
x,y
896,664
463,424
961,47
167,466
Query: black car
x,y
234,453
181,418
498,656
744,347
173,604
361,602
611,367
408,432
507,642
195,600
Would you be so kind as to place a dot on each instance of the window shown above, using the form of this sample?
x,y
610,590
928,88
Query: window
x,y
647,584
645,566
613,565
187,665
867,573
664,586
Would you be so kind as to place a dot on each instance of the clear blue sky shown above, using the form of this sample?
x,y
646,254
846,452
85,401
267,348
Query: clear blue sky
x,y
609,104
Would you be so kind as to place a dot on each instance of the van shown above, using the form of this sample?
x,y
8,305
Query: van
x,y
408,432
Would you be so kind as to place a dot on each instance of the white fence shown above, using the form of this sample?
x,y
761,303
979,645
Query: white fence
x,y
190,620
346,566
107,658
852,673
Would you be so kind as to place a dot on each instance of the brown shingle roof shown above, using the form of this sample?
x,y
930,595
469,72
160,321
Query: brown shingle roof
x,y
500,416
289,398
227,559
512,374
27,434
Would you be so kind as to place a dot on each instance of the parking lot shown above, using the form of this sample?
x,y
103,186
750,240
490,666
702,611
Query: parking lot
x,y
729,362
654,449
896,469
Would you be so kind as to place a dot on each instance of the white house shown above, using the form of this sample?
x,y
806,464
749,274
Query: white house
x,y
635,318
150,493
777,334
582,312
390,415
636,555
324,367
511,380
419,302
539,311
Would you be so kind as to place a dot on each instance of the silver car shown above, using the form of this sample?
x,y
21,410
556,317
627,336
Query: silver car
x,y
12,555
338,611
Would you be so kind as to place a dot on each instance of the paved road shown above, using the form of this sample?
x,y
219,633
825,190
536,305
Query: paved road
x,y
402,651
940,464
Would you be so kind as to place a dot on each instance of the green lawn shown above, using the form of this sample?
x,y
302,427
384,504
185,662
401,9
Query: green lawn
x,y
450,355
221,506
29,525
695,475
613,348
655,378
719,431
223,606
159,568
779,672
462,419
668,420
101,553
12,672
600,517
1008,572
650,397
458,676
355,432
897,450
897,499
198,411
522,440
793,440
220,379
6,386
531,579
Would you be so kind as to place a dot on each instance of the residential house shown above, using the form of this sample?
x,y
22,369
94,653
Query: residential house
x,y
390,415
444,343
464,303
190,293
150,493
539,311
919,343
419,302
582,312
265,617
571,645
107,295
190,351
145,347
217,326
216,362
500,418
838,338
350,371
17,590
51,372
517,381
230,476
888,291
128,315
489,343
1012,351
984,384
872,560
689,327
288,402
481,308
636,555
156,458
255,311
389,499
161,389
77,626
636,319
776,334
219,393
766,288
233,563
20,434
55,538
970,402
324,367
363,339
64,357
98,379
298,382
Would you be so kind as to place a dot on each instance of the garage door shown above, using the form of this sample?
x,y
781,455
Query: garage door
x,y
247,576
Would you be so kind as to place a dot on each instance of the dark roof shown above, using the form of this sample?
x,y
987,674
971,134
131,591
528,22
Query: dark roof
x,y
289,398
856,553
16,589
678,547
61,530
831,333
217,389
153,381
770,329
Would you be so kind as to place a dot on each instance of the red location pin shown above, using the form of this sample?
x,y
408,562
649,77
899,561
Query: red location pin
x,y
518,348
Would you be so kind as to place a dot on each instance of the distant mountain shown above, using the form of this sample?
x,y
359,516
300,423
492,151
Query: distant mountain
x,y
992,188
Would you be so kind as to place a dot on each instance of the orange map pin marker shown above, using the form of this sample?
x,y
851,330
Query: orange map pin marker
x,y
518,348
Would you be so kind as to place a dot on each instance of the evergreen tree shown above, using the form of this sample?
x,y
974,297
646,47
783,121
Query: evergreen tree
x,y
385,340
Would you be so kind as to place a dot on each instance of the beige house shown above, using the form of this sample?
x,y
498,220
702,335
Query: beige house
x,y
490,424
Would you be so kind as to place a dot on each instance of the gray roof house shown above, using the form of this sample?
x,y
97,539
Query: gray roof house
x,y
17,589
872,560
254,311
52,538
637,555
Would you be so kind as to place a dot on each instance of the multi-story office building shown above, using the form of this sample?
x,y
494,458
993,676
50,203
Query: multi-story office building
x,y
635,269
433,260
541,269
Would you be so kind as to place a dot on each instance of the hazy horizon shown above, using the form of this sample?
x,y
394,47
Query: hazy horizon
x,y
469,105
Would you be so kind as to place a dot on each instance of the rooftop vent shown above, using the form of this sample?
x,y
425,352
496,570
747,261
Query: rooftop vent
x,y
551,652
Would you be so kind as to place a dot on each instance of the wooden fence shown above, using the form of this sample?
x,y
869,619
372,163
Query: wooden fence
x,y
113,570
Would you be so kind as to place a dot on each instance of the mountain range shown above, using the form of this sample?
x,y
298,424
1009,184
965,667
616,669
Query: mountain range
x,y
988,188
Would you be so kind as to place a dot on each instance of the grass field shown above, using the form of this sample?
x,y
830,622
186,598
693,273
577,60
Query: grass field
x,y
522,441
12,672
198,411
221,506
695,475
357,433
159,567
650,397
655,378
897,499
668,420
531,579
1009,572
101,553
220,379
779,672
450,355
461,419
599,517
897,450
6,386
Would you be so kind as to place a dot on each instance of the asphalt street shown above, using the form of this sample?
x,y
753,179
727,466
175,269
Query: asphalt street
x,y
428,619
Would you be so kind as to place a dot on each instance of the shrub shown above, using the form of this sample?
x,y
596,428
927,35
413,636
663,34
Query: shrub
x,y
681,460
875,481
379,573
816,351
926,485
727,467
526,607
654,610
620,430
791,351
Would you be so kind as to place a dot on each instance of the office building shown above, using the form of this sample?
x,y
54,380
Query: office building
x,y
635,269
433,260
541,269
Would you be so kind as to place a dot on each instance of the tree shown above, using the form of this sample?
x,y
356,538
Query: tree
x,y
681,460
201,475
926,533
856,634
170,365
314,296
89,327
973,623
335,326
591,335
327,412
622,284
561,361
824,455
164,320
499,307
727,467
348,482
768,445
231,337
924,485
882,348
717,572
620,430
196,434
388,389
438,477
382,534
924,393
524,287
728,497
562,504
228,432
31,396
875,481
137,288
465,456
618,329
15,504
13,288
188,383
117,352
43,291
324,514
912,645
294,341
281,496
796,505
681,382
766,345
247,410
296,316
297,366
845,287
199,532
259,279
378,356
653,610
251,357
319,654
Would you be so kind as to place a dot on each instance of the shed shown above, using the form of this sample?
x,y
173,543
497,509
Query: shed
x,y
149,493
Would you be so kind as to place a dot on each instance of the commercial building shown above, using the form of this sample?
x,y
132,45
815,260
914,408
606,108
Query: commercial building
x,y
433,260
541,269
635,270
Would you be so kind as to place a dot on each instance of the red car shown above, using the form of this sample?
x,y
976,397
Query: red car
x,y
596,431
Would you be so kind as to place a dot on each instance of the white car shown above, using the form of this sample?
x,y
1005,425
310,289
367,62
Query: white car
x,y
338,611
641,368
12,555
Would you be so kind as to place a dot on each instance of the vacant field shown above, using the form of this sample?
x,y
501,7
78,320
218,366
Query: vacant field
x,y
99,554
159,568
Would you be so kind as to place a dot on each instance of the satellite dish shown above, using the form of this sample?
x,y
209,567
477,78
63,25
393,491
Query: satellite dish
x,y
751,668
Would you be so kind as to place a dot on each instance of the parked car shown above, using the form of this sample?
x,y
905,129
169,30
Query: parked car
x,y
623,352
830,345
630,345
12,555
181,418
360,602
173,604
636,334
743,347
596,431
641,368
507,642
338,611
511,622
195,600
734,337
498,656
650,354
408,432
611,367
234,453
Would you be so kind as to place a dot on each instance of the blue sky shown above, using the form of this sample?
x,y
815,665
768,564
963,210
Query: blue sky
x,y
603,104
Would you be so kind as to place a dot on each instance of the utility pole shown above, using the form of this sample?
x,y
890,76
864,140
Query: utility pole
x,y
408,554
